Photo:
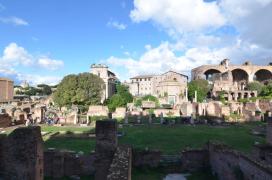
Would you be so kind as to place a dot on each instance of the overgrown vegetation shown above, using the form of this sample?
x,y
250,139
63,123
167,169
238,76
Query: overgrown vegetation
x,y
120,99
138,101
202,88
82,89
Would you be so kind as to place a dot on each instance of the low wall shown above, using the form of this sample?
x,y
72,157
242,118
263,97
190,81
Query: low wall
x,y
5,120
194,160
67,163
230,165
120,168
146,158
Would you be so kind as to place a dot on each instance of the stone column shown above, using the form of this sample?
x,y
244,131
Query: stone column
x,y
186,94
106,144
23,158
150,118
235,96
250,77
195,99
126,118
161,118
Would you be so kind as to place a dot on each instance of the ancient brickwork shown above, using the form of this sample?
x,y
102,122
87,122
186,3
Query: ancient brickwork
x,y
58,164
120,168
106,144
22,155
5,120
193,160
229,164
146,158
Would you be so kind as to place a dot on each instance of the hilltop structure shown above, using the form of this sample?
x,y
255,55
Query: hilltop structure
x,y
232,79
108,77
6,90
169,87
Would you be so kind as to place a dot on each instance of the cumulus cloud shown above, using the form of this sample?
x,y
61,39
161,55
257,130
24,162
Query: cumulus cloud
x,y
251,18
35,79
116,25
178,16
15,56
50,64
14,20
163,58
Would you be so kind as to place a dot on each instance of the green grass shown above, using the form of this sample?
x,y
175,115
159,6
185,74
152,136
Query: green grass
x,y
169,140
173,139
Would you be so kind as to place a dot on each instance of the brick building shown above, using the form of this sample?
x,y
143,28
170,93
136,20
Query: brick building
x,y
6,90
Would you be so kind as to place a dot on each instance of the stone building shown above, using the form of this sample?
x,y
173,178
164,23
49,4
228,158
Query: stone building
x,y
108,77
6,90
233,79
246,72
169,87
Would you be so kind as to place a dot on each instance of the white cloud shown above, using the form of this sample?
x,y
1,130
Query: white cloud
x,y
14,20
14,55
50,64
35,79
178,16
251,18
163,58
116,25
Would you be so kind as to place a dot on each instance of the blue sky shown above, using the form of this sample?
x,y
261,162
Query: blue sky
x,y
41,41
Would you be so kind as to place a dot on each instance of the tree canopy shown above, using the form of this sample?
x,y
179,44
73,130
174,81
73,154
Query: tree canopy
x,y
82,89
201,86
255,86
120,99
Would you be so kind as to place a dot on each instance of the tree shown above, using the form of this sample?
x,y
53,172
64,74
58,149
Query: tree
x,y
266,90
45,89
201,86
255,86
120,99
82,89
31,91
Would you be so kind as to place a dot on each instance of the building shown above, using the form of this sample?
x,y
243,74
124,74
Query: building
x,y
6,90
233,79
108,77
169,87
244,73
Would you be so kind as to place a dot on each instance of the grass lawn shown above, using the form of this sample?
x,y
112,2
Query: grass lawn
x,y
168,139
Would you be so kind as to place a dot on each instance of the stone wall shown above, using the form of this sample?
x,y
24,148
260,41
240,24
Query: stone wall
x,y
119,113
67,163
120,168
5,120
98,111
146,158
230,165
22,155
193,160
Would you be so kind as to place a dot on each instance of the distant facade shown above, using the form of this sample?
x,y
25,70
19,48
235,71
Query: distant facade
x,y
6,90
233,79
108,77
169,87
